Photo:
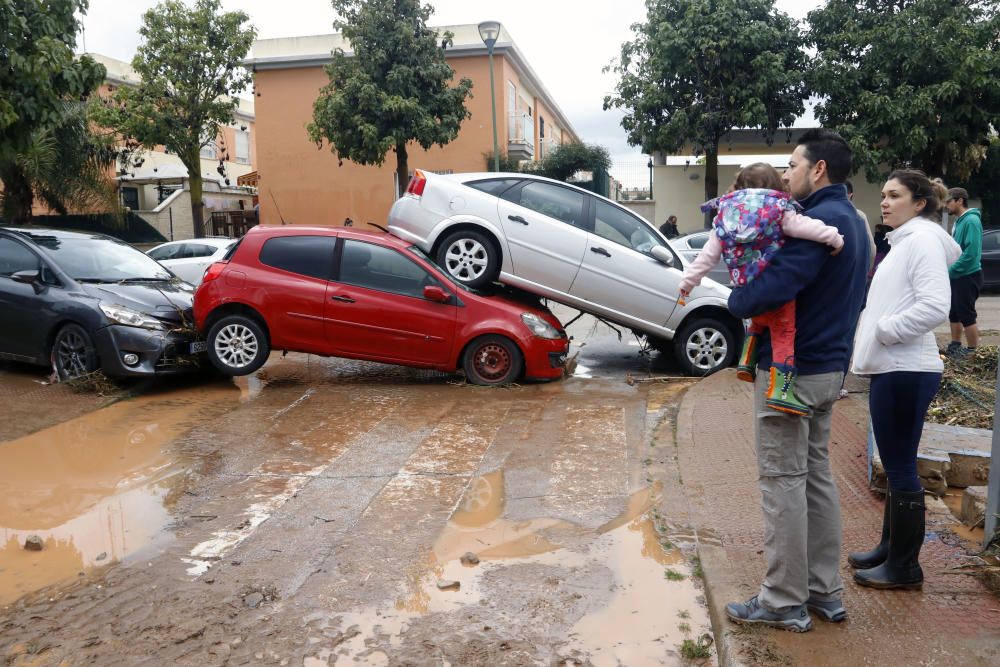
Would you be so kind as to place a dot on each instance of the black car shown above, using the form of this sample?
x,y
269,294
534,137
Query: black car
x,y
79,301
991,258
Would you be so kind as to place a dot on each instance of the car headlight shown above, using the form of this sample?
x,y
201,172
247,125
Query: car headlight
x,y
539,327
129,317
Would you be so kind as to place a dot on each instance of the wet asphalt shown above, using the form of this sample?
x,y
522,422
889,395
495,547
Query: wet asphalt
x,y
318,511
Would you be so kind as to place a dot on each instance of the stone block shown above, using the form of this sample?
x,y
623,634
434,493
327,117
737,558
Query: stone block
x,y
974,506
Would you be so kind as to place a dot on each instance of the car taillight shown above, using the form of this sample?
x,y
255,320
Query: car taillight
x,y
213,271
417,183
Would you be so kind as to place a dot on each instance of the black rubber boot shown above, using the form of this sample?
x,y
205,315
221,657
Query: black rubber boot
x,y
864,560
901,568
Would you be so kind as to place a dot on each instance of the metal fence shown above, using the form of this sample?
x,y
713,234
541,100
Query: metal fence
x,y
632,178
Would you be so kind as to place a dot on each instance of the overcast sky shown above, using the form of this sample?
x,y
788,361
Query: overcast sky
x,y
567,42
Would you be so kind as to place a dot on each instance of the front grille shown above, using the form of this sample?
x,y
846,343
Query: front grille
x,y
557,359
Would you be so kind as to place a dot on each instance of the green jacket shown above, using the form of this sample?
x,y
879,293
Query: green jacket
x,y
968,233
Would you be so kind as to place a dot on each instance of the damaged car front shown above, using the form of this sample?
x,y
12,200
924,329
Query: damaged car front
x,y
81,302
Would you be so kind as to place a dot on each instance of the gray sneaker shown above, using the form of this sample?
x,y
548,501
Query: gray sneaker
x,y
829,610
795,619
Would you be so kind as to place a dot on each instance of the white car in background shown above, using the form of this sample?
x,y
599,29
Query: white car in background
x,y
189,259
688,247
569,245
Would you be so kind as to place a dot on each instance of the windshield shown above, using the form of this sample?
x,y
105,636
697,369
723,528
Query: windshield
x,y
102,260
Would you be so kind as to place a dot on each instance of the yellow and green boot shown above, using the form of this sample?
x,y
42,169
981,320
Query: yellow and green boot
x,y
781,391
746,369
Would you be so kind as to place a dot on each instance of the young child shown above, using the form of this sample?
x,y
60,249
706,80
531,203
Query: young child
x,y
752,222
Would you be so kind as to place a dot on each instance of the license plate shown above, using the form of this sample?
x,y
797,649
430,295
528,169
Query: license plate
x,y
199,346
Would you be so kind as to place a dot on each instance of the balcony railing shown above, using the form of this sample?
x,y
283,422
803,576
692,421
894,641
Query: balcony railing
x,y
233,224
520,136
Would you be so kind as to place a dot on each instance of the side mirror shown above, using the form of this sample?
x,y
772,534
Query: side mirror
x,y
662,255
26,277
435,293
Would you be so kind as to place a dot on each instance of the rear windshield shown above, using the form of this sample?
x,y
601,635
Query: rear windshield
x,y
494,186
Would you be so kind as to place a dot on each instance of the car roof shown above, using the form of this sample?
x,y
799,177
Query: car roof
x,y
371,235
217,241
48,232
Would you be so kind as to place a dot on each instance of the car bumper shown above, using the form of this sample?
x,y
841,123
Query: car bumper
x,y
159,352
546,358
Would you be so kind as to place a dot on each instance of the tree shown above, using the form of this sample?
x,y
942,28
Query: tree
x,y
700,68
41,87
983,184
567,159
912,83
191,67
392,90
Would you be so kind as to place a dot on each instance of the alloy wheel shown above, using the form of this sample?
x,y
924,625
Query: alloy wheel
x,y
236,345
71,351
706,348
466,259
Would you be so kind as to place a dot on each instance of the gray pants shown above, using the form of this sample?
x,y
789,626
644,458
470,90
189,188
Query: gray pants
x,y
800,500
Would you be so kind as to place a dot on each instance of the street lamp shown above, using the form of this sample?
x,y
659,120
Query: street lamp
x,y
489,31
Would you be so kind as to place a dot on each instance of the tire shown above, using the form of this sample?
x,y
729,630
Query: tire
x,y
237,345
492,360
469,257
704,346
73,352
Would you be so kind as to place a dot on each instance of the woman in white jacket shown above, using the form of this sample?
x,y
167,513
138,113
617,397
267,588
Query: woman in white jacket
x,y
910,295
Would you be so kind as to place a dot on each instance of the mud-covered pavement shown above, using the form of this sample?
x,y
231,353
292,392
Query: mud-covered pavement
x,y
318,513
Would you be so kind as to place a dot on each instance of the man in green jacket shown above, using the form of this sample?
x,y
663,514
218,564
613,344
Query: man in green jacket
x,y
966,274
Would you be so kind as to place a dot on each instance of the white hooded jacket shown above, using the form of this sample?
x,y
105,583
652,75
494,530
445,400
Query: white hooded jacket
x,y
909,296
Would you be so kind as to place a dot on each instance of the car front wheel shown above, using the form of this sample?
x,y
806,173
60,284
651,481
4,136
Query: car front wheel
x,y
469,257
492,360
704,346
237,345
73,352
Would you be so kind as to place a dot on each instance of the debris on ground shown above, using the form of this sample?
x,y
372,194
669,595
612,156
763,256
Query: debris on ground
x,y
95,382
967,396
34,543
469,558
448,585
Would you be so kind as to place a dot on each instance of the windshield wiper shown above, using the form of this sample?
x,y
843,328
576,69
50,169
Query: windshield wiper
x,y
143,280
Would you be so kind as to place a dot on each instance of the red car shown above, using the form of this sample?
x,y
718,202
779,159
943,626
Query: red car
x,y
365,295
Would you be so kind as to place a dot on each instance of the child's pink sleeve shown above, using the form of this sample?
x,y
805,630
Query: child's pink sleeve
x,y
803,227
702,264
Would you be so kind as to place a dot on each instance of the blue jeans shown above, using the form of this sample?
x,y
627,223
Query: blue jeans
x,y
898,402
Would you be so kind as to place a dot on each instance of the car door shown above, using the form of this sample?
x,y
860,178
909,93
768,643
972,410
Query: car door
x,y
991,258
24,314
619,273
546,232
192,261
375,308
291,291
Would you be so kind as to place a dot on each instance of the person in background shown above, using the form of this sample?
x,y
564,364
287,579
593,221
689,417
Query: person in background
x,y
895,346
941,190
669,228
966,274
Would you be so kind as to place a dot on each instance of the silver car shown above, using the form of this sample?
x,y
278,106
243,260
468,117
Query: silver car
x,y
688,247
572,246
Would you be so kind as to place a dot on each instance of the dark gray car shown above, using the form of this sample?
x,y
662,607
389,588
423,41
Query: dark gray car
x,y
79,301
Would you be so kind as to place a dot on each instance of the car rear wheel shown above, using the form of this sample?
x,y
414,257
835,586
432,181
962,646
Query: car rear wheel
x,y
73,352
469,257
704,346
492,360
237,345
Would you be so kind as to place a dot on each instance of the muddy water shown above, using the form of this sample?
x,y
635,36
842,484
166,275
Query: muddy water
x,y
644,621
96,488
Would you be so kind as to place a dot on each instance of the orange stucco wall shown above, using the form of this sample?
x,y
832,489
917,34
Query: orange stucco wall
x,y
308,184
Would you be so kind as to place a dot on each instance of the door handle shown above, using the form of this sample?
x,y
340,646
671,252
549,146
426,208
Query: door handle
x,y
345,299
601,251
517,218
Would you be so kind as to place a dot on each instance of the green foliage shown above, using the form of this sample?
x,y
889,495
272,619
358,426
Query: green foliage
x,y
47,150
700,68
190,64
909,82
38,71
507,163
394,87
567,159
673,575
697,650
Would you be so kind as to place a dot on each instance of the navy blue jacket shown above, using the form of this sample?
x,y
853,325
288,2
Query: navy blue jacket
x,y
828,291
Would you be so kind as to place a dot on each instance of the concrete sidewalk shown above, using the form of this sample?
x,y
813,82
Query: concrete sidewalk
x,y
954,620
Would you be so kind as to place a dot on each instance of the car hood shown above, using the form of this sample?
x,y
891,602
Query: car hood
x,y
513,301
167,301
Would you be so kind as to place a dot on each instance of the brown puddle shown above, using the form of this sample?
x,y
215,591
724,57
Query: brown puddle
x,y
953,499
94,488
